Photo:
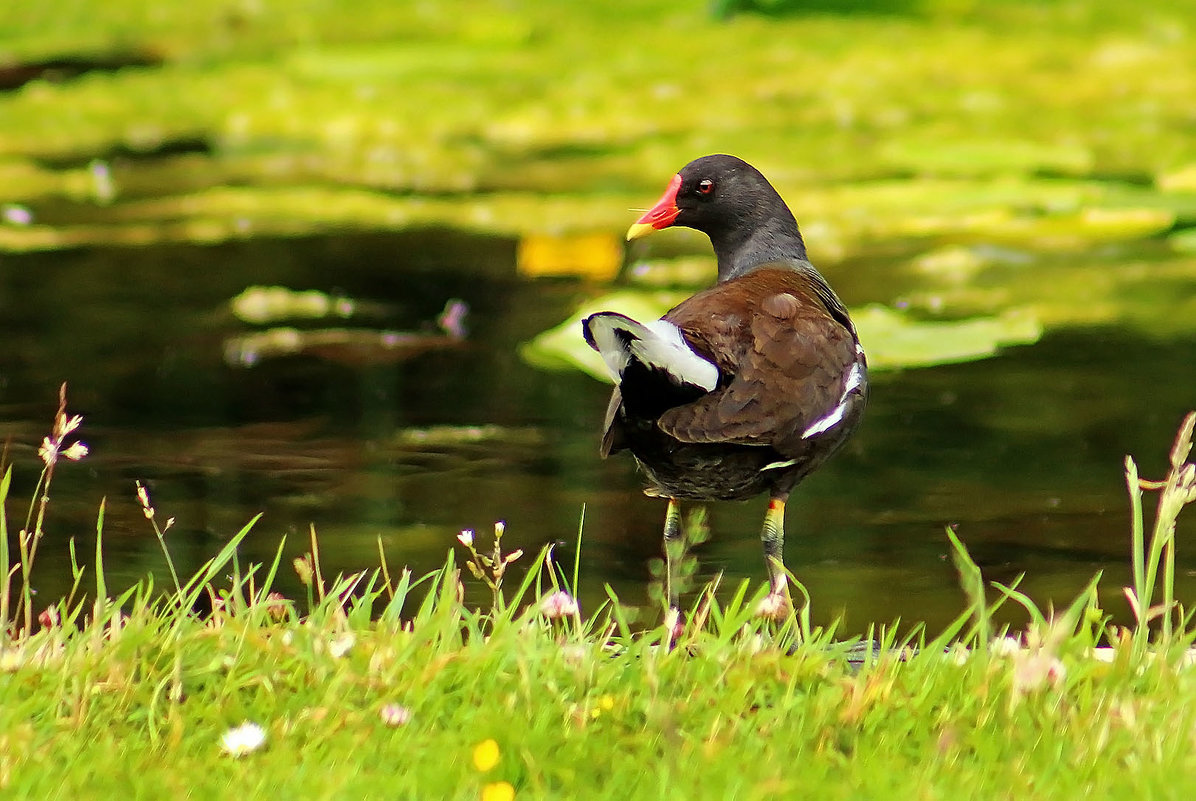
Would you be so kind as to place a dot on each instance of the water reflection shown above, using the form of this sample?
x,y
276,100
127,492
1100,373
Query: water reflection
x,y
1022,451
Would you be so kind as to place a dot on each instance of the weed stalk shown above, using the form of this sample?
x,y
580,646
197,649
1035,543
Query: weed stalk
x,y
1176,490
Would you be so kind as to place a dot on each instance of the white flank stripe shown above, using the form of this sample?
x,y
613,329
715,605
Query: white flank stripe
x,y
818,426
778,465
854,378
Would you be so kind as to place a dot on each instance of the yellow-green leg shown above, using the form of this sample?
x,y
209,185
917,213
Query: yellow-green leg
x,y
776,604
674,552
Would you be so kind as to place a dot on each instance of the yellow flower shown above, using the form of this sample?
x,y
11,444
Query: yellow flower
x,y
605,703
485,757
498,791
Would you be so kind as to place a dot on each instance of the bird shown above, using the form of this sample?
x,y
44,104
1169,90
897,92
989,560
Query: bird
x,y
744,388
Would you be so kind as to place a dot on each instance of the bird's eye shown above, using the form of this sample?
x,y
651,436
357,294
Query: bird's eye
x,y
705,186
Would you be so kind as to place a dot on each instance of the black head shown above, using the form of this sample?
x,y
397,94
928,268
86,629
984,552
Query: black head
x,y
730,201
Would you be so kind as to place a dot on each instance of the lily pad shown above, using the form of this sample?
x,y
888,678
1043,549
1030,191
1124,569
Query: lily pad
x,y
564,348
269,304
896,339
1078,230
1150,290
1180,180
986,157
1183,241
354,346
1007,123
892,338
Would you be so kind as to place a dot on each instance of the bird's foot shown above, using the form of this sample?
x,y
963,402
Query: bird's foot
x,y
775,606
674,624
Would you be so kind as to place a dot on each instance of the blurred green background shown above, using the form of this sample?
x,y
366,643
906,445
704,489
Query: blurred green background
x,y
131,121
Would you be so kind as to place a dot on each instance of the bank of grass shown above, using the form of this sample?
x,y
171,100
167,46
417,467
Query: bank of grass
x,y
388,686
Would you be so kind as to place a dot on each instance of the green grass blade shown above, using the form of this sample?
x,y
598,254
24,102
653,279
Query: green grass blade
x,y
972,582
581,525
1137,541
203,577
5,556
101,581
268,582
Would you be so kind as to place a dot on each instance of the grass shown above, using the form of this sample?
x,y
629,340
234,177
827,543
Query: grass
x,y
389,686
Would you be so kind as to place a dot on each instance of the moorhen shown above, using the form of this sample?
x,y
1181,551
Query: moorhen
x,y
745,387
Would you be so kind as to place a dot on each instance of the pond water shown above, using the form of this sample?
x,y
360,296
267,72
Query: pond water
x,y
1022,451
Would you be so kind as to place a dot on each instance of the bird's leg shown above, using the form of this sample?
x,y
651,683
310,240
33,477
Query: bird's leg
x,y
776,604
674,552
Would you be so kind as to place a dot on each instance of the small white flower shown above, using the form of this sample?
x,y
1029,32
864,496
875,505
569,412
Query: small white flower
x,y
559,604
754,643
76,451
1005,647
574,654
466,537
68,424
341,645
242,740
1034,671
48,451
395,715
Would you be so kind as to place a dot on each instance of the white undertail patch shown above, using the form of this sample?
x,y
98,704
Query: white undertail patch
x,y
609,347
657,344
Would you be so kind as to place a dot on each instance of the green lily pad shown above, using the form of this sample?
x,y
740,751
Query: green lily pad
x,y
986,157
262,305
1149,290
1180,180
1013,123
896,339
892,339
1183,241
564,348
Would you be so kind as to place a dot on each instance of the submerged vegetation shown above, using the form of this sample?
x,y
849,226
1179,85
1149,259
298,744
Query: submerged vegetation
x,y
383,685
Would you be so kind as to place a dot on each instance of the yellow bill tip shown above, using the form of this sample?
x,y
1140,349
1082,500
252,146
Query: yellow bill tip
x,y
639,229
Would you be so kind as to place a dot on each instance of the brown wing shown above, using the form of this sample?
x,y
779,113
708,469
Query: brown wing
x,y
787,353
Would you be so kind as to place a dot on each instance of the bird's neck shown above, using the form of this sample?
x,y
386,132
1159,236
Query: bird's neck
x,y
742,248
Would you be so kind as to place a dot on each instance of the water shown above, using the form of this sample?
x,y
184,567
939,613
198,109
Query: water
x,y
1023,452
